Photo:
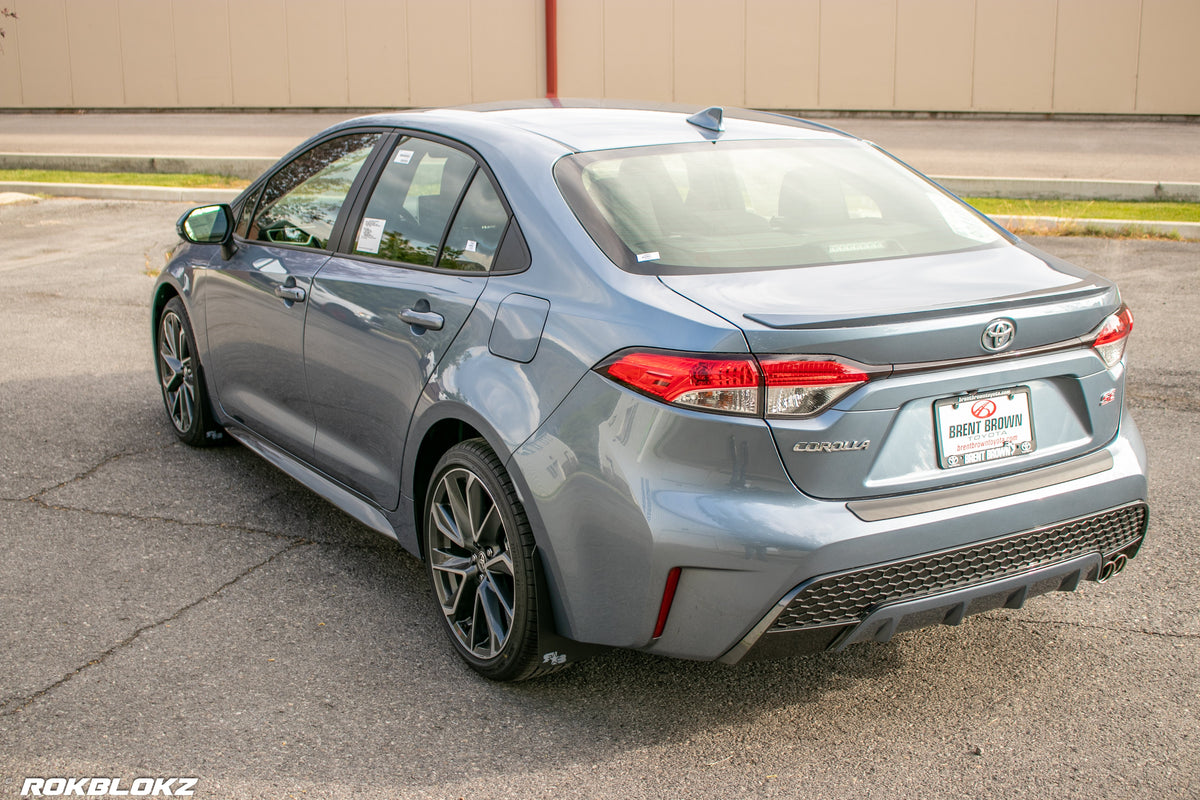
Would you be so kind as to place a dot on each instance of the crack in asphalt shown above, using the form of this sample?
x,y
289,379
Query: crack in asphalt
x,y
164,520
12,707
92,470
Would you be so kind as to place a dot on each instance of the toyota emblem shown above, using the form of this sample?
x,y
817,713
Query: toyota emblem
x,y
998,335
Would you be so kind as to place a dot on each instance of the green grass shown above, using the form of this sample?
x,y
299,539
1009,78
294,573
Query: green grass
x,y
124,178
1089,209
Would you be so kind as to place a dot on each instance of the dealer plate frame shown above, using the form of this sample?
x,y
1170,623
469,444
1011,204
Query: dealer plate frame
x,y
1017,398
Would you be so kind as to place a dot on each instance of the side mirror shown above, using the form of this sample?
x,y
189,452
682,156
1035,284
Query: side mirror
x,y
209,225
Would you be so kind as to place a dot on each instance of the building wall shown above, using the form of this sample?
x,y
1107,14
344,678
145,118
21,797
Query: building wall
x,y
1065,56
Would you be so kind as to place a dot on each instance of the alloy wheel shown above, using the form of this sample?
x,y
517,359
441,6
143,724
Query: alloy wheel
x,y
471,564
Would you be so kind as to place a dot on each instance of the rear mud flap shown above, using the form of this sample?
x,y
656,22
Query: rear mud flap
x,y
554,648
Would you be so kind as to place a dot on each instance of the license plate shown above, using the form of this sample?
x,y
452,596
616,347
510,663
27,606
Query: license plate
x,y
984,427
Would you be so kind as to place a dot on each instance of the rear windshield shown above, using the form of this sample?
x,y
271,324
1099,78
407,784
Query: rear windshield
x,y
761,205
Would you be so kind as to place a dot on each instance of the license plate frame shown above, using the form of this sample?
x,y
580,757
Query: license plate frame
x,y
984,427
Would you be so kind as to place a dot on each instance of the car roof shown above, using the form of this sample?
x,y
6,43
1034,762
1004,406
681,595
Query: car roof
x,y
583,125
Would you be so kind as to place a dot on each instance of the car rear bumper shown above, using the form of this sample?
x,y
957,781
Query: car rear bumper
x,y
621,490
874,603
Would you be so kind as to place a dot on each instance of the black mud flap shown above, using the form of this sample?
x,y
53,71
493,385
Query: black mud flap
x,y
555,649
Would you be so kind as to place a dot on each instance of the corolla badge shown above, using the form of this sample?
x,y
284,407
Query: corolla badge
x,y
998,335
831,447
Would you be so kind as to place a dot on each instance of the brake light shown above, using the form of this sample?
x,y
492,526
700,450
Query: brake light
x,y
777,386
1114,335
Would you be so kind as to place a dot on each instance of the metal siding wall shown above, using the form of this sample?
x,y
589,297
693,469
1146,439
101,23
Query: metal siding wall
x,y
935,54
1169,58
858,53
148,54
710,52
377,33
1069,56
783,53
1014,55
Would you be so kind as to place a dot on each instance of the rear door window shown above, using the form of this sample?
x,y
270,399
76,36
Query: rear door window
x,y
411,205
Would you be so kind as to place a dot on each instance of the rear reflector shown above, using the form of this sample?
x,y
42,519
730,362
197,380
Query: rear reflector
x,y
1114,335
667,600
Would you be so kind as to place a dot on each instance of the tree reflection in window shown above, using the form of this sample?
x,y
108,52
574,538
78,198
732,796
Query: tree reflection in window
x,y
300,203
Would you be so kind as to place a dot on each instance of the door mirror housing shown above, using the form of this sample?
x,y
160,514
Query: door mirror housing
x,y
208,225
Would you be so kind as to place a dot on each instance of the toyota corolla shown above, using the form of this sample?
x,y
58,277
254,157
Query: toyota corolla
x,y
710,384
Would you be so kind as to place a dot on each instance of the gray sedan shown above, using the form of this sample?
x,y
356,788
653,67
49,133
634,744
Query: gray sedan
x,y
710,384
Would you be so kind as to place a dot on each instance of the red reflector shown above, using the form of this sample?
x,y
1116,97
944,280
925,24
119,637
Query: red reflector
x,y
811,373
668,598
1116,327
667,376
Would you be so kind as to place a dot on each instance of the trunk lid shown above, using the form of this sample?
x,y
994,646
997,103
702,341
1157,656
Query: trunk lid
x,y
925,319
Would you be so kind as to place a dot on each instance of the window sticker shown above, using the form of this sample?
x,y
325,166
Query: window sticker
x,y
472,246
651,256
403,156
370,235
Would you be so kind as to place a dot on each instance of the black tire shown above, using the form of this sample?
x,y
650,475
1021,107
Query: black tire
x,y
181,378
479,554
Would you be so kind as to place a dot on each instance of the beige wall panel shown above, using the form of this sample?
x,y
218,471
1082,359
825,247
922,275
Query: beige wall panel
x,y
710,52
1014,55
317,52
581,48
858,53
258,36
505,40
1170,58
377,33
94,36
45,55
10,62
439,52
1095,64
783,53
202,53
638,50
148,54
935,49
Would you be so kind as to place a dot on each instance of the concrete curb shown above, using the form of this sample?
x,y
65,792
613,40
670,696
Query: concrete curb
x,y
247,167
101,191
1185,230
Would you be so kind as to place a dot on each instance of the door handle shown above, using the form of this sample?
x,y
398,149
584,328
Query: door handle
x,y
430,320
293,294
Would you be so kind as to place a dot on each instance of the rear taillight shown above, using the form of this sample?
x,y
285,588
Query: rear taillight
x,y
802,388
1113,335
776,386
713,383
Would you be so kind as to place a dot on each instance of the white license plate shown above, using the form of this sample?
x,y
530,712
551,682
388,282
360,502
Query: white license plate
x,y
984,427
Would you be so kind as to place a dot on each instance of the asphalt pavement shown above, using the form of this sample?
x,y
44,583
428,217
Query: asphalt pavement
x,y
179,612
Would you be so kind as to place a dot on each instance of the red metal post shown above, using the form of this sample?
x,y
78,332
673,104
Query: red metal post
x,y
551,49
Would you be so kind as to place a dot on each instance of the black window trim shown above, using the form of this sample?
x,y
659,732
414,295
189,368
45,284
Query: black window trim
x,y
345,246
